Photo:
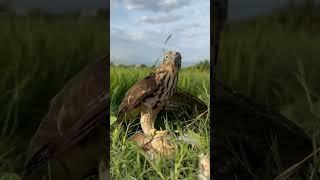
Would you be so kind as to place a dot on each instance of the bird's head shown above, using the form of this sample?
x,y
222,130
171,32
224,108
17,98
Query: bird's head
x,y
173,58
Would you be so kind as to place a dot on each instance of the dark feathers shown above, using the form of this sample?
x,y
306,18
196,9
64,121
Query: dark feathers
x,y
137,93
74,112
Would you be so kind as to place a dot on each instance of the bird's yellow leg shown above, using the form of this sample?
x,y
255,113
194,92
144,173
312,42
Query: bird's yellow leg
x,y
147,123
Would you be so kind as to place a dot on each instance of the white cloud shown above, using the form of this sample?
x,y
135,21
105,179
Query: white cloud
x,y
154,5
159,19
138,35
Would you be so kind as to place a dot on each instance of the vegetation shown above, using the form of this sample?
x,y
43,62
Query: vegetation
x,y
203,65
184,164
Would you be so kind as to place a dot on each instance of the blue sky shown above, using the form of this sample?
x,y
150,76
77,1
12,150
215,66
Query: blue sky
x,y
140,27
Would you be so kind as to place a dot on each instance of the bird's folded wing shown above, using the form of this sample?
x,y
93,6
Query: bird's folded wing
x,y
73,113
137,93
183,99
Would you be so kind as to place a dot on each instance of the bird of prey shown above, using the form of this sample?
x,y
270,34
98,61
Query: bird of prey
x,y
150,95
72,136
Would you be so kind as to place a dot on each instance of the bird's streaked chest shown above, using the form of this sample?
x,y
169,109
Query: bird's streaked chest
x,y
167,83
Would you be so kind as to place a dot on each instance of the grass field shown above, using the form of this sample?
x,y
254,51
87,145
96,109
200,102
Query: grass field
x,y
37,56
184,164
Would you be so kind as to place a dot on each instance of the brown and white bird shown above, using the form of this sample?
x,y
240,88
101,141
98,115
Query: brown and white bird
x,y
72,137
150,95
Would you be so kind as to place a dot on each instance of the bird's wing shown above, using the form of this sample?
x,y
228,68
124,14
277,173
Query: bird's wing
x,y
137,93
246,128
182,99
73,113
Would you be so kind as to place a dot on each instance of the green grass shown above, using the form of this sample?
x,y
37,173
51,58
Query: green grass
x,y
184,164
37,56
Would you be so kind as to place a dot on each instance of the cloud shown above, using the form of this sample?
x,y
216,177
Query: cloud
x,y
155,6
126,48
159,19
138,35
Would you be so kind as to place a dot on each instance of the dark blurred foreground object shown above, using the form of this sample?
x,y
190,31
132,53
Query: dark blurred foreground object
x,y
252,142
73,134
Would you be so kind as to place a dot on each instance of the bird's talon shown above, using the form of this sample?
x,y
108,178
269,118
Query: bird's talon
x,y
163,133
153,132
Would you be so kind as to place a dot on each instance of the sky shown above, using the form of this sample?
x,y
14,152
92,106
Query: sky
x,y
139,29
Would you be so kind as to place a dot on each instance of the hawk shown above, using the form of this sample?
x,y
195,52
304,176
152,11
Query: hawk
x,y
72,136
149,96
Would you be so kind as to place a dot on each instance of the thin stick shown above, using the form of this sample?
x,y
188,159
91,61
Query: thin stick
x,y
290,170
195,119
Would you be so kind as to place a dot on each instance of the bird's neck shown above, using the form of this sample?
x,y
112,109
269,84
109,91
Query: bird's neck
x,y
166,68
163,71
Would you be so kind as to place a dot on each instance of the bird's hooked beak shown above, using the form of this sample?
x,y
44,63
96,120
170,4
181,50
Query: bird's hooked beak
x,y
178,60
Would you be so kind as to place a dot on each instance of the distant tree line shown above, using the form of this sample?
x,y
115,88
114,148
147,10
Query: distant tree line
x,y
203,65
129,66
